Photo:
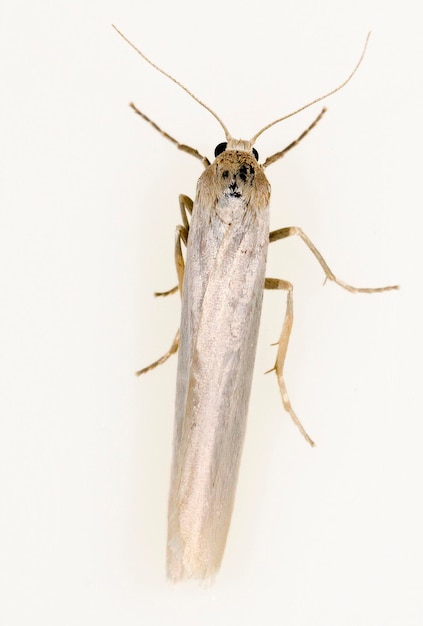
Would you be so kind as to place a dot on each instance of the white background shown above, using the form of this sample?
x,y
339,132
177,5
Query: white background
x,y
323,537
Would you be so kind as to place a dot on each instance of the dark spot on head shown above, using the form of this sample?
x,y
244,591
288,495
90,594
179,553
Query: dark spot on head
x,y
225,174
243,173
246,172
252,174
234,191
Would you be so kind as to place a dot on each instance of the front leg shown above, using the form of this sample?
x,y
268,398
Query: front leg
x,y
282,233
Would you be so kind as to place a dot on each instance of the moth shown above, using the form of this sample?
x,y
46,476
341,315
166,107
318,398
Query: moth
x,y
221,281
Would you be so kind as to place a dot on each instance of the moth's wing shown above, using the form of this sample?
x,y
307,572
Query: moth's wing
x,y
216,361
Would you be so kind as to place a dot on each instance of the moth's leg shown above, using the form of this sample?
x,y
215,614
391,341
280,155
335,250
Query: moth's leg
x,y
276,283
180,235
185,206
279,155
294,230
173,348
179,262
170,292
192,151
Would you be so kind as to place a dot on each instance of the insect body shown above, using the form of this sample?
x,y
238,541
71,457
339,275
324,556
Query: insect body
x,y
221,303
221,283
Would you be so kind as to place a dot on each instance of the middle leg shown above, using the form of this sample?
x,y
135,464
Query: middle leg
x,y
277,283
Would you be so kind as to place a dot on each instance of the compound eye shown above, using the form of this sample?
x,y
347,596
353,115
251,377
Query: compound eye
x,y
220,148
255,154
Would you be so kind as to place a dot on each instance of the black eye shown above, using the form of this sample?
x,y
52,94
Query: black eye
x,y
220,148
255,154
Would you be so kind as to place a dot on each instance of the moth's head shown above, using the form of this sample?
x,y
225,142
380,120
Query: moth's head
x,y
234,180
235,144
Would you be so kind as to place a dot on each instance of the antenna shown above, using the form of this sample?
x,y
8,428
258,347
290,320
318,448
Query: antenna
x,y
159,69
326,95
